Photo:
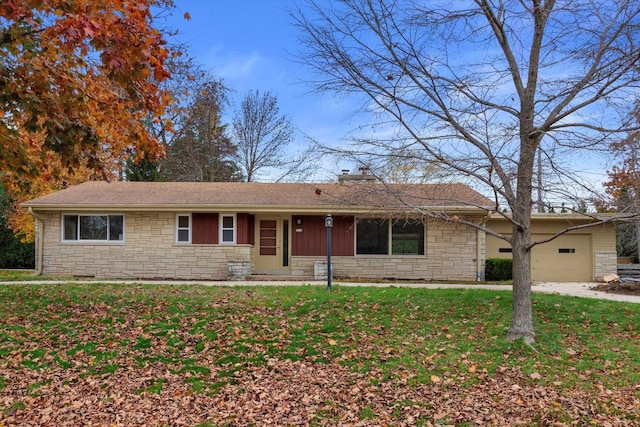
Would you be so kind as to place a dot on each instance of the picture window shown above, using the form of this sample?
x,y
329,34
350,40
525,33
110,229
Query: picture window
x,y
93,228
384,237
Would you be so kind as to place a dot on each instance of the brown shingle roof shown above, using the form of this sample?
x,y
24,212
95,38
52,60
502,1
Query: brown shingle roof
x,y
203,195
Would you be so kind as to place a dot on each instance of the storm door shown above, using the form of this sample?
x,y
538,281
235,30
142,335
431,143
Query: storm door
x,y
269,245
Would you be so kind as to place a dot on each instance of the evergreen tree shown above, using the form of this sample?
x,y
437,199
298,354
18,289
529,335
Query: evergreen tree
x,y
13,252
142,169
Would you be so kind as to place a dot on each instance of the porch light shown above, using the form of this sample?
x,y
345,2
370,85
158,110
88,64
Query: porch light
x,y
328,221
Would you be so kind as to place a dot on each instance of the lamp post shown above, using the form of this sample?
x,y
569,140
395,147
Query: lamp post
x,y
328,223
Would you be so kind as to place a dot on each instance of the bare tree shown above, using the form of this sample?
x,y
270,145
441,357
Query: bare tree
x,y
262,135
480,87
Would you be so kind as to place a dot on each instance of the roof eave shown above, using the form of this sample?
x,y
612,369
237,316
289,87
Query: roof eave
x,y
333,209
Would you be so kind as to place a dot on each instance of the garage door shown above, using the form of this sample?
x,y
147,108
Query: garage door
x,y
567,258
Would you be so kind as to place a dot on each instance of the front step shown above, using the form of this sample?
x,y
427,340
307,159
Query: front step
x,y
278,278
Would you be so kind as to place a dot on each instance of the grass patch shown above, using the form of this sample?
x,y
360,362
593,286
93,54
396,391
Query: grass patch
x,y
15,275
208,337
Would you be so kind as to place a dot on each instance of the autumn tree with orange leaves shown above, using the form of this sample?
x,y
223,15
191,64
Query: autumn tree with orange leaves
x,y
624,188
76,81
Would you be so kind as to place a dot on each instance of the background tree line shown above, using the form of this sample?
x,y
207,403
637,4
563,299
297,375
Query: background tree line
x,y
94,91
199,146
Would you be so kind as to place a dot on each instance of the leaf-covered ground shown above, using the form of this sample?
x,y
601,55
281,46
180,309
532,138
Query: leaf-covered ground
x,y
191,355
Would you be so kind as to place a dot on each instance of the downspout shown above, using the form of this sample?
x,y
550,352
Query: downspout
x,y
479,248
39,240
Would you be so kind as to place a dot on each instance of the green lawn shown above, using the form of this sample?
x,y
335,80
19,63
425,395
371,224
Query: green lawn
x,y
166,355
17,275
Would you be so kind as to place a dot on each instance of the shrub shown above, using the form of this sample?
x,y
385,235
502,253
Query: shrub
x,y
498,269
14,253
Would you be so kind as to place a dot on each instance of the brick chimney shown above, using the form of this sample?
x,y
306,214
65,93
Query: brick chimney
x,y
363,177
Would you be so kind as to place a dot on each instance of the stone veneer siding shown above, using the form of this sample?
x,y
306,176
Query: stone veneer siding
x,y
606,263
148,251
451,253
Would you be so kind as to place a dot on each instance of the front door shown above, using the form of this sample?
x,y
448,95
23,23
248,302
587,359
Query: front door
x,y
269,245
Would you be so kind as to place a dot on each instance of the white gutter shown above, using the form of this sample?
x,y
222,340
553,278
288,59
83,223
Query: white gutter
x,y
39,239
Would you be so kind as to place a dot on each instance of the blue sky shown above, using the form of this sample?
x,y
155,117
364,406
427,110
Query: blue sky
x,y
251,44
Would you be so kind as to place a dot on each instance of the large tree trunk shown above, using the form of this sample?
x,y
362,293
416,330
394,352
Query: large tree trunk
x,y
522,315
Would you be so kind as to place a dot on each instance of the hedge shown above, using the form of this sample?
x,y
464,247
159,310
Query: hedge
x,y
498,269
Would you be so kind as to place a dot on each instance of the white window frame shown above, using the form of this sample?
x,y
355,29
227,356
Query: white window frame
x,y
78,240
233,229
188,228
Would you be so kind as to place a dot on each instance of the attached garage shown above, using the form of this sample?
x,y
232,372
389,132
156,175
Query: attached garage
x,y
567,259
580,256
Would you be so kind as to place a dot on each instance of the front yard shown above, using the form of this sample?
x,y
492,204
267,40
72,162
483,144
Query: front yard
x,y
130,355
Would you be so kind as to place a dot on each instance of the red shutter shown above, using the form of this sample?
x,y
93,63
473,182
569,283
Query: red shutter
x,y
205,228
245,229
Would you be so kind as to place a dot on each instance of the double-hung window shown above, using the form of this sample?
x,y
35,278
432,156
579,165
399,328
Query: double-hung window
x,y
228,229
183,228
108,228
376,236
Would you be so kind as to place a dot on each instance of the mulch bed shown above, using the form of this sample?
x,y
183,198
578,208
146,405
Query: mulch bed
x,y
622,288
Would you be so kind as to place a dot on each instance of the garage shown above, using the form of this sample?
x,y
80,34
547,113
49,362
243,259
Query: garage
x,y
567,258
581,255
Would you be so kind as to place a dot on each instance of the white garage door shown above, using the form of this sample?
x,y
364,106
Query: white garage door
x,y
567,258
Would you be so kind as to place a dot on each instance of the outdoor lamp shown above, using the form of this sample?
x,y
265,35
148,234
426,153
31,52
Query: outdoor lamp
x,y
328,223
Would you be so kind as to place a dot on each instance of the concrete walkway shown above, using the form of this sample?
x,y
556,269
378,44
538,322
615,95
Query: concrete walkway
x,y
576,289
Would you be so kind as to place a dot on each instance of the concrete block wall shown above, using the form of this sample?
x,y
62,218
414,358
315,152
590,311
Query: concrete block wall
x,y
148,251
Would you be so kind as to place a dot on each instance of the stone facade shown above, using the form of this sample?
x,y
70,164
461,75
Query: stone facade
x,y
606,263
149,251
451,254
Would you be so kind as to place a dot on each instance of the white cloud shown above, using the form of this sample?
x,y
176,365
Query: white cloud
x,y
240,66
